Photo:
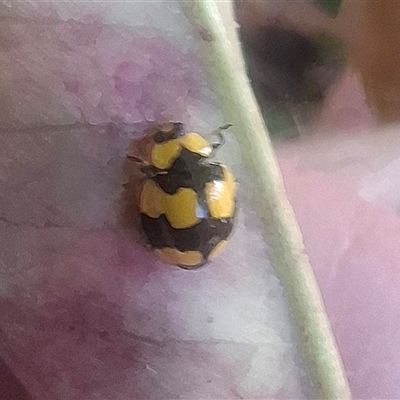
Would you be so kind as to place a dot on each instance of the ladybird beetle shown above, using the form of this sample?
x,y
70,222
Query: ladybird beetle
x,y
187,204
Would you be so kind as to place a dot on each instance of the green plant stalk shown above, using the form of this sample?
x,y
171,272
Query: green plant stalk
x,y
225,65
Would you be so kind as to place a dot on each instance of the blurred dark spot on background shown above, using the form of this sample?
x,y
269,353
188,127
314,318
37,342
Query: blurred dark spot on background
x,y
290,74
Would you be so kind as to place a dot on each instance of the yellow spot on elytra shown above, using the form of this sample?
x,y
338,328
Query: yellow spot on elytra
x,y
164,154
220,196
217,250
180,208
152,200
175,257
196,144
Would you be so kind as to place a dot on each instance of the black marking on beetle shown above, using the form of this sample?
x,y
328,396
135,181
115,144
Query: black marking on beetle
x,y
188,171
202,237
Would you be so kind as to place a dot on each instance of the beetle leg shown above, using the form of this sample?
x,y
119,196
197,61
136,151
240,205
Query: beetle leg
x,y
151,171
144,168
136,159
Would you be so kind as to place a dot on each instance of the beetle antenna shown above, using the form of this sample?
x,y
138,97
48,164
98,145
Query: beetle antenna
x,y
218,133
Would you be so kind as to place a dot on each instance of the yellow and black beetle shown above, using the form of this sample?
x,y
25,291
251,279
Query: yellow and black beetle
x,y
187,204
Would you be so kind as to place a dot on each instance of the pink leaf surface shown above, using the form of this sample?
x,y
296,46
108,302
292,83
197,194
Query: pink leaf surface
x,y
353,249
343,185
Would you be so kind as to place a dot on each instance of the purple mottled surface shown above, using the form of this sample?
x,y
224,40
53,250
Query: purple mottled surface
x,y
87,311
63,72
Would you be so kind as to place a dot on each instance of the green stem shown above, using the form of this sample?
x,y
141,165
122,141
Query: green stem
x,y
224,62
